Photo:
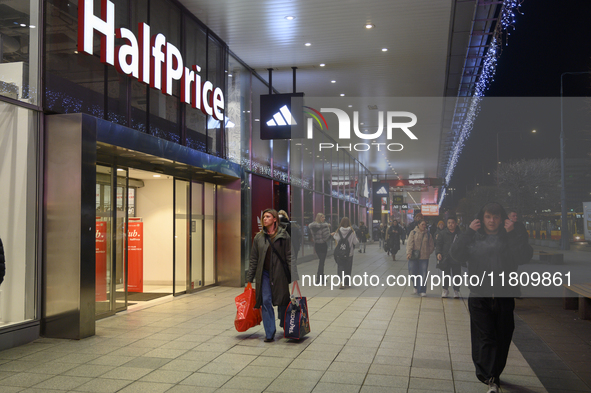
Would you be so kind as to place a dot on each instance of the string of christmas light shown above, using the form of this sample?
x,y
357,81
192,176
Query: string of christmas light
x,y
507,20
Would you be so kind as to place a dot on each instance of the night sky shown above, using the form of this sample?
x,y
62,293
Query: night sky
x,y
550,37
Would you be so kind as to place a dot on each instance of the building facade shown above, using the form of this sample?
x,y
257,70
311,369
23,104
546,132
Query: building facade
x,y
131,164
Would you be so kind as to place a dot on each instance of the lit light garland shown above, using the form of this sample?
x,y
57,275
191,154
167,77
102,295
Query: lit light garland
x,y
507,20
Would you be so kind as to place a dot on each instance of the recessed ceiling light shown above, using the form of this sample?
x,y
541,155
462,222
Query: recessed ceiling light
x,y
156,175
229,75
369,26
120,170
342,94
289,17
384,49
322,64
333,81
308,44
350,106
256,120
23,25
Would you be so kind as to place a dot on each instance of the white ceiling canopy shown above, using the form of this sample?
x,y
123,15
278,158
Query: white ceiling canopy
x,y
414,48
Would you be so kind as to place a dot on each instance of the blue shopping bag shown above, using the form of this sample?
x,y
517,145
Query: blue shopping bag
x,y
297,320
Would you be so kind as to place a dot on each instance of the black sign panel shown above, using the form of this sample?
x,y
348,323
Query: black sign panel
x,y
398,199
282,116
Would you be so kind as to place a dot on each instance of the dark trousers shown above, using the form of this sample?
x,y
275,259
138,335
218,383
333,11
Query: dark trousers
x,y
344,268
451,270
491,328
321,250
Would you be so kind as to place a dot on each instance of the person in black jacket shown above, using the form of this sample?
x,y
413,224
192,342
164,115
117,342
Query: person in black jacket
x,y
2,262
449,267
362,236
491,246
414,224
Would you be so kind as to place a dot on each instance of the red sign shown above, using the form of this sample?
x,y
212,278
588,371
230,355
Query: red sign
x,y
101,261
410,182
135,255
430,210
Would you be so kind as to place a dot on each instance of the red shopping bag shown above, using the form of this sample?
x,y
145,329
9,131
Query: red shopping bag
x,y
246,315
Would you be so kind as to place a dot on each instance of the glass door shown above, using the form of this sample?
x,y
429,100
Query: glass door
x,y
111,241
181,236
103,242
196,235
120,249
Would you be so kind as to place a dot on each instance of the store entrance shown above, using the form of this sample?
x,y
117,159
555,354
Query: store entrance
x,y
156,240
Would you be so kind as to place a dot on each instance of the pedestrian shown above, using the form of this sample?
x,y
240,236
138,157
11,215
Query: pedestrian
x,y
270,266
518,225
491,246
362,235
2,263
413,224
345,264
420,246
448,266
320,234
284,221
393,236
382,234
403,233
440,228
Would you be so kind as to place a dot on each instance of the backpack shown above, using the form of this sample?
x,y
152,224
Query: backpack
x,y
343,248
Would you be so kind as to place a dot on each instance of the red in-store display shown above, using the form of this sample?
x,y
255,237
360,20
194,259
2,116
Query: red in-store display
x,y
135,255
101,261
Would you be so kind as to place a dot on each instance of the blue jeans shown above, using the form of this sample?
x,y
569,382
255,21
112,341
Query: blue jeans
x,y
267,311
419,267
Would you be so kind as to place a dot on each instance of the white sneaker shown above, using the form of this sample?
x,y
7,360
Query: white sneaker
x,y
492,387
444,293
456,294
414,291
423,294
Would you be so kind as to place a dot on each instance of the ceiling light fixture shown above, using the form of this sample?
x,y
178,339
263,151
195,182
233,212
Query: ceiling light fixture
x,y
384,49
333,81
342,94
308,44
289,17
369,26
322,64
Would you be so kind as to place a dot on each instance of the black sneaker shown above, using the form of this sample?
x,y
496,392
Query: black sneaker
x,y
269,340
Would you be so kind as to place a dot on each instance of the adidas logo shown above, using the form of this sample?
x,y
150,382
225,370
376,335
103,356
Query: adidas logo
x,y
279,120
382,191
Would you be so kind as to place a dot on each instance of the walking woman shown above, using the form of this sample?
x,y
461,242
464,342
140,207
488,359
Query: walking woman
x,y
420,246
320,235
270,266
346,264
393,236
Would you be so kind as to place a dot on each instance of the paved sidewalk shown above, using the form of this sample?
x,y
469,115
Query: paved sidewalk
x,y
366,339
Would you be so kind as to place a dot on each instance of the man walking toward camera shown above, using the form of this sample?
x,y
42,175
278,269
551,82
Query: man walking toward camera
x,y
491,246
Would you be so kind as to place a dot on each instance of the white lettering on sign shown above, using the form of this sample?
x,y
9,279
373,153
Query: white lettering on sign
x,y
345,124
150,59
416,182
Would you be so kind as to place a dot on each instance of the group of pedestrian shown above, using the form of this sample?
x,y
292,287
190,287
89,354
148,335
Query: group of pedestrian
x,y
493,243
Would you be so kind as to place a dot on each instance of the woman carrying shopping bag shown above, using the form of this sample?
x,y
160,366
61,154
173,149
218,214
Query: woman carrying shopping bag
x,y
270,266
420,246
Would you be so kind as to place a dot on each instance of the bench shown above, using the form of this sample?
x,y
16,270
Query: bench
x,y
582,303
550,258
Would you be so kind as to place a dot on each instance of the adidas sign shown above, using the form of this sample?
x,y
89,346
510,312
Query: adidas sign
x,y
282,118
382,191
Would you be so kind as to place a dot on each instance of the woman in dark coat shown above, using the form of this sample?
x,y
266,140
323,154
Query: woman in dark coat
x,y
270,266
393,235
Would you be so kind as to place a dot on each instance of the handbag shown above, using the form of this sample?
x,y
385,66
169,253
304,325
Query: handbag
x,y
297,322
246,315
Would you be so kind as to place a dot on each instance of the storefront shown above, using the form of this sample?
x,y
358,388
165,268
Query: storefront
x,y
132,167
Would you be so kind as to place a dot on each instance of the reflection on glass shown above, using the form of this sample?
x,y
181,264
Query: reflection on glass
x,y
181,222
196,235
103,242
19,47
209,232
